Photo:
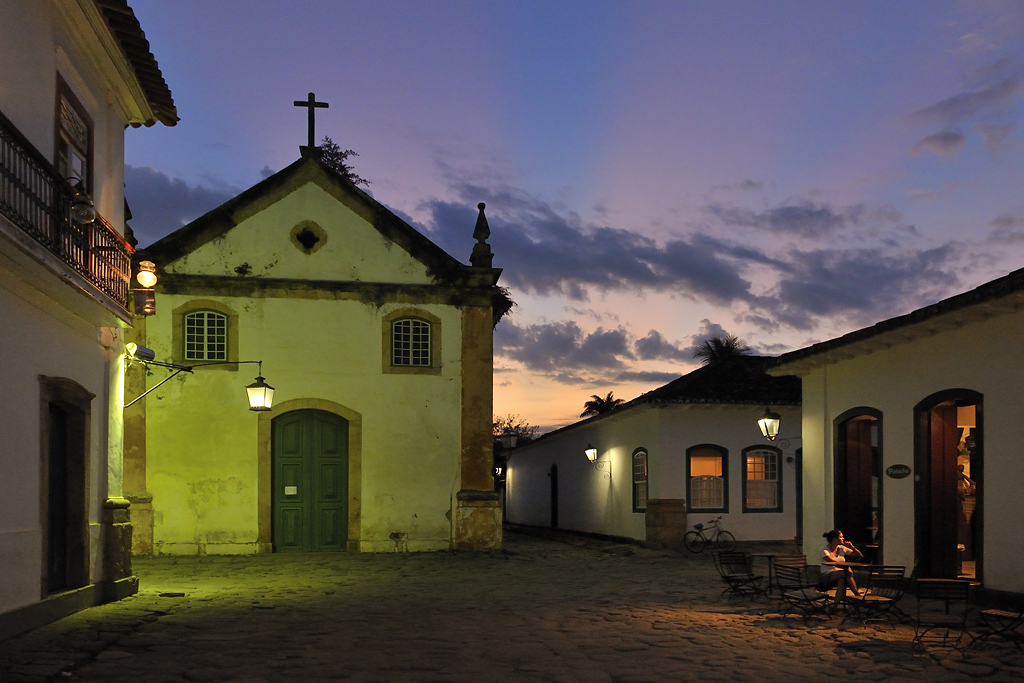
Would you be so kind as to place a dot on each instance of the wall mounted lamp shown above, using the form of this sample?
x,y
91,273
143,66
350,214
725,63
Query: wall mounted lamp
x,y
147,274
259,393
145,297
769,424
508,439
600,465
83,211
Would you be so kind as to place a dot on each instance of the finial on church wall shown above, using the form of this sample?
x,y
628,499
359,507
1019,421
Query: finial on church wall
x,y
481,256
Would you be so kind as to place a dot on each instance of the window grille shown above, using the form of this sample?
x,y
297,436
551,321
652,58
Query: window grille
x,y
640,480
707,492
206,336
762,484
410,342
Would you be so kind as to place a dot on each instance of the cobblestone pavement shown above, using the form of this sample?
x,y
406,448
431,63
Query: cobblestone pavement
x,y
543,610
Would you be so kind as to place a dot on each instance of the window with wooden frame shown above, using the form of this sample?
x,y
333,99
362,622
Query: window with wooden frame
x,y
707,478
206,336
74,138
639,480
762,479
412,342
205,331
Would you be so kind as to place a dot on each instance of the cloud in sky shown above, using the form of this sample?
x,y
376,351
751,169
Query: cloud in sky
x,y
1006,230
989,98
998,86
945,143
859,285
556,254
161,204
561,345
805,219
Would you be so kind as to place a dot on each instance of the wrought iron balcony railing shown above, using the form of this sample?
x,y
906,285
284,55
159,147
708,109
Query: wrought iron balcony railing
x,y
35,198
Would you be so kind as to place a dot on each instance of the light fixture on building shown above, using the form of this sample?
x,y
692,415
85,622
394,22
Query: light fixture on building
x,y
509,439
600,465
139,353
259,393
769,424
145,298
83,211
147,274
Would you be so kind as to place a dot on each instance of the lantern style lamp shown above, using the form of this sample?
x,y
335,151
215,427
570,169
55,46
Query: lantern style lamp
x,y
769,424
82,208
591,453
261,394
147,274
509,439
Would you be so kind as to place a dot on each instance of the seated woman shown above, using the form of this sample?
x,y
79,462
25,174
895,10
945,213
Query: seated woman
x,y
835,552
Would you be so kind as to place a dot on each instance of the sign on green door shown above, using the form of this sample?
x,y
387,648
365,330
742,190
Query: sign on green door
x,y
310,481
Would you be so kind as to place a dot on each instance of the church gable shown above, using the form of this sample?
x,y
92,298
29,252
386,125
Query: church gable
x,y
308,235
305,223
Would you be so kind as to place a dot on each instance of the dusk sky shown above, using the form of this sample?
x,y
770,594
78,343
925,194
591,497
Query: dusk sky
x,y
655,173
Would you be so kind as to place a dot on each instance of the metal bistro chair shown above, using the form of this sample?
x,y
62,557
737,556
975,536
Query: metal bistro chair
x,y
797,595
1002,624
941,612
798,561
885,587
734,566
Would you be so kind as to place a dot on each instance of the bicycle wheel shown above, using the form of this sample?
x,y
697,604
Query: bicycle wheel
x,y
726,541
694,542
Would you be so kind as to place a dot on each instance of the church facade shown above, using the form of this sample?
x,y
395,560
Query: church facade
x,y
379,347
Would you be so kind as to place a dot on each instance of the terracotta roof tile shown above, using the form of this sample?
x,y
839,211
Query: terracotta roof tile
x,y
125,28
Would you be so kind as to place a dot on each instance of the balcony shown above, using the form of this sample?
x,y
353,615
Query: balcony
x,y
35,199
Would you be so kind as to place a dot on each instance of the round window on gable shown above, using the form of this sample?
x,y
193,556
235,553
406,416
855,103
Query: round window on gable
x,y
308,237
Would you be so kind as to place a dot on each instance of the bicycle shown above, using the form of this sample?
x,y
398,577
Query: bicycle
x,y
695,541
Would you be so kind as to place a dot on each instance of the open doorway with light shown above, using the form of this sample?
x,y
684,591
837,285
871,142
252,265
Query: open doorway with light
x,y
858,485
949,485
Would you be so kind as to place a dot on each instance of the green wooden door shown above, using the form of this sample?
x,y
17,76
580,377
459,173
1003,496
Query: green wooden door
x,y
310,481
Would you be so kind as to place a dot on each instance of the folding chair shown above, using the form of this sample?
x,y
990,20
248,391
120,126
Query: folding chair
x,y
798,561
1000,623
941,612
734,566
885,587
797,595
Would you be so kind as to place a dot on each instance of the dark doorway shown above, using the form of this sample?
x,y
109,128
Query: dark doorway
x,y
554,496
57,530
798,465
949,489
66,531
310,483
858,468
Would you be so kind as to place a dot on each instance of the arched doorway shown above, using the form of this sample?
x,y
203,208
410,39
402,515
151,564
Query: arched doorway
x,y
949,488
310,481
858,473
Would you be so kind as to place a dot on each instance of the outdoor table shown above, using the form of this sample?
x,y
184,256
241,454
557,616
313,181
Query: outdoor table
x,y
770,555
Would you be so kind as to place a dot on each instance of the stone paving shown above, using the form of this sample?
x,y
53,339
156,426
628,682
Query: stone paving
x,y
568,610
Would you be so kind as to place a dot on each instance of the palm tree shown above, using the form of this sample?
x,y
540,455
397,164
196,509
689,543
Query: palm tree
x,y
597,405
720,348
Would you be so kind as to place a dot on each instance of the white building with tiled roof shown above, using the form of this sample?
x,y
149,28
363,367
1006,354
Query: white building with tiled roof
x,y
74,74
685,453
912,435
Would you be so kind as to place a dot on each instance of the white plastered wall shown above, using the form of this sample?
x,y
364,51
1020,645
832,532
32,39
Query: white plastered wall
x,y
590,503
981,356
